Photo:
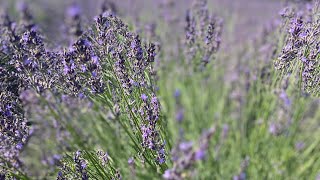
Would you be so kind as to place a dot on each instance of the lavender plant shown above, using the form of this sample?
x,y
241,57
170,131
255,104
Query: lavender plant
x,y
15,130
203,33
106,103
301,48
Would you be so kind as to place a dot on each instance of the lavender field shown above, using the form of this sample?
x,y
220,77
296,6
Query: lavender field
x,y
159,89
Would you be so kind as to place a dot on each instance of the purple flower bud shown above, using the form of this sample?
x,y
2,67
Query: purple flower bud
x,y
131,161
200,154
304,59
8,113
144,97
73,10
56,157
71,49
161,160
284,97
83,68
25,37
180,115
177,93
299,145
94,74
95,60
66,70
81,95
19,146
83,164
242,176
273,128
185,146
168,174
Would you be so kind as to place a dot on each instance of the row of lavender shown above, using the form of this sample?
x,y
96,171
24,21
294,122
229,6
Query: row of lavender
x,y
102,93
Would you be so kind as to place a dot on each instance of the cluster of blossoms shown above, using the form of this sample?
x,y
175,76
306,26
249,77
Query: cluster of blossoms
x,y
203,33
26,52
77,71
36,66
14,128
81,165
78,167
302,47
130,60
118,43
184,157
81,69
27,64
150,111
106,162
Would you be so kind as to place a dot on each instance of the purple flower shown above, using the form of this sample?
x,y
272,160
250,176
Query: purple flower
x,y
94,74
25,37
180,115
104,157
137,50
73,10
284,97
161,160
144,97
151,52
296,27
8,113
81,165
66,70
299,146
185,146
95,60
242,176
184,157
19,146
168,174
177,93
274,129
83,68
81,95
200,154
131,161
286,12
60,176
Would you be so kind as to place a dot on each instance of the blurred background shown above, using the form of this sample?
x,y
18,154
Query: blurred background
x,y
243,18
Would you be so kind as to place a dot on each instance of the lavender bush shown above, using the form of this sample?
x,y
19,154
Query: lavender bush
x,y
106,91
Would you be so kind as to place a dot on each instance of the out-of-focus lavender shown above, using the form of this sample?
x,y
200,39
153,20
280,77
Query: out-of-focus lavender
x,y
184,157
77,167
73,22
203,33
